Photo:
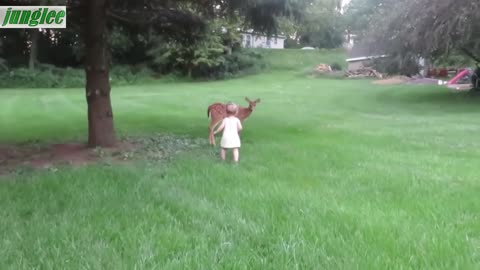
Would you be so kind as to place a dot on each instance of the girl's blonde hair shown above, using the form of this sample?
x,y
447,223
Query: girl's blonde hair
x,y
232,108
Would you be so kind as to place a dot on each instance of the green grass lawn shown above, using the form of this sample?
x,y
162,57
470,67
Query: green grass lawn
x,y
334,174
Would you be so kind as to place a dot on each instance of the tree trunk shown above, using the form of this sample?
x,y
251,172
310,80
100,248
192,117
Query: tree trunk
x,y
426,67
33,49
101,130
34,46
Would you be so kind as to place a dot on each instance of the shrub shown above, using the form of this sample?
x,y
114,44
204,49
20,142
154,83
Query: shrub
x,y
47,76
407,66
292,44
336,66
127,75
22,77
72,77
239,63
211,65
216,56
454,59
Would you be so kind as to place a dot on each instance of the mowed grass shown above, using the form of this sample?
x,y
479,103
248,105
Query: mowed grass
x,y
334,174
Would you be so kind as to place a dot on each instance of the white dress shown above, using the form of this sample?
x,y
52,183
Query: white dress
x,y
230,137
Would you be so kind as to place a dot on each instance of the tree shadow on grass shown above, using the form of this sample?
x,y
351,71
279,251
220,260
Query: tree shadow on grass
x,y
147,148
431,99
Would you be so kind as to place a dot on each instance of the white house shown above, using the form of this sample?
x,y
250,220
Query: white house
x,y
251,40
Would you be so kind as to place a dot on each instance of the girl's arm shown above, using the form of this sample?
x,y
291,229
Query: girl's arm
x,y
220,128
239,126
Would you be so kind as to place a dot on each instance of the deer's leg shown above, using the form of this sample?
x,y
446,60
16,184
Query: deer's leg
x,y
211,128
210,134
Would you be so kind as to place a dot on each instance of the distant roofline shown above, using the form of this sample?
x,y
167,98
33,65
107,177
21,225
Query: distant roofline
x,y
259,34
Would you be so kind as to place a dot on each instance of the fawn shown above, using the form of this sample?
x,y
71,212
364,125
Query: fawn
x,y
217,111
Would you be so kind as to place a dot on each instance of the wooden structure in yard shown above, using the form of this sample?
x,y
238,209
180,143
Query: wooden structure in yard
x,y
361,57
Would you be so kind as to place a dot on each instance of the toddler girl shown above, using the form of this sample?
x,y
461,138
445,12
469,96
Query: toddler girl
x,y
231,127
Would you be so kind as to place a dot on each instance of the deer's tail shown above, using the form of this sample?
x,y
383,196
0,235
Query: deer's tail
x,y
208,112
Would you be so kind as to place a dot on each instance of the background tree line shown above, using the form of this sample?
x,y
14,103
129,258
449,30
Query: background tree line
x,y
168,46
442,32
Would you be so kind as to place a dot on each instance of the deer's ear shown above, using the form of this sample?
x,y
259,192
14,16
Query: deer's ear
x,y
247,99
257,101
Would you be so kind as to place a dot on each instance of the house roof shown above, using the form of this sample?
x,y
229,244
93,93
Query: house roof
x,y
361,51
260,34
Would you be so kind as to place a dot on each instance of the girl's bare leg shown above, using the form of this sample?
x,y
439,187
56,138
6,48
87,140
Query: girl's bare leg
x,y
236,154
222,153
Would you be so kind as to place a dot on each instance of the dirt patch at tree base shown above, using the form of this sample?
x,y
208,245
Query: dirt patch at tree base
x,y
159,147
392,80
40,157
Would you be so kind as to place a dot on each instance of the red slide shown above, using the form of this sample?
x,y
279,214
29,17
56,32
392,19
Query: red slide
x,y
460,75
